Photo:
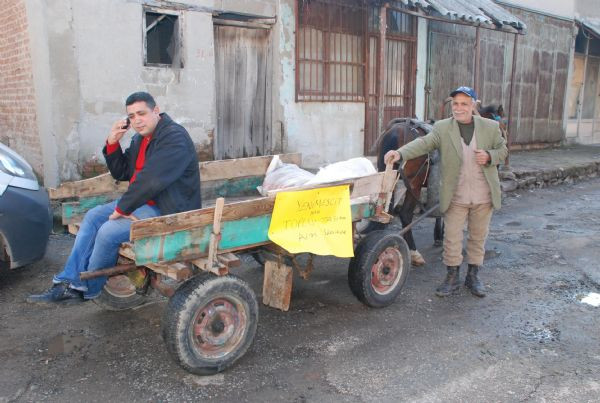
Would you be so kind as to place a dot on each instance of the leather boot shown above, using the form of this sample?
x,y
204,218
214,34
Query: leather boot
x,y
473,283
57,293
451,283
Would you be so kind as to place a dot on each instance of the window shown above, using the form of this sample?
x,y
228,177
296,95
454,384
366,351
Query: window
x,y
162,40
330,50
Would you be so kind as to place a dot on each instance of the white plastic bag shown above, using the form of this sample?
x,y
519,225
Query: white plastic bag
x,y
352,168
280,175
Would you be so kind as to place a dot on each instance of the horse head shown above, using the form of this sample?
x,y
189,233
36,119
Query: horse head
x,y
492,112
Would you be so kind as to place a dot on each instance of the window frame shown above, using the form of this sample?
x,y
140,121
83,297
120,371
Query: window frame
x,y
327,94
179,33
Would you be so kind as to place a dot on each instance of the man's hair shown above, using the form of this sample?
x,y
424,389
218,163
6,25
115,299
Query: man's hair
x,y
141,97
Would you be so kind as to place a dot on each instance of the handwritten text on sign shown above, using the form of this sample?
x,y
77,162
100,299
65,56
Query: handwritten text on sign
x,y
318,221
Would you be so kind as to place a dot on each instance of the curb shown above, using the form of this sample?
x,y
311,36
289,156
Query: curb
x,y
515,180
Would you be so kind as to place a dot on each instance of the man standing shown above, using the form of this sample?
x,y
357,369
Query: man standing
x,y
471,147
162,169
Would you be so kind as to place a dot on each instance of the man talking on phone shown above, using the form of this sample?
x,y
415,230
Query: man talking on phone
x,y
162,169
471,147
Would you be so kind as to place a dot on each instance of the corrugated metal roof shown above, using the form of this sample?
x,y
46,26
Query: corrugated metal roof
x,y
592,24
471,11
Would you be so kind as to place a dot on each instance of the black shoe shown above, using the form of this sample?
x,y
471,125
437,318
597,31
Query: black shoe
x,y
473,283
57,293
450,284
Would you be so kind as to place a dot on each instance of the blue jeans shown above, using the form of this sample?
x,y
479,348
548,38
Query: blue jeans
x,y
97,246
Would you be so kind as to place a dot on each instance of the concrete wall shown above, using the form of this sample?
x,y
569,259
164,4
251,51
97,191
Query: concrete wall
x,y
323,132
18,117
88,58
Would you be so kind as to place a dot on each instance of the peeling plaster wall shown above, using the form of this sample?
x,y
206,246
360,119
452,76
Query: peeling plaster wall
x,y
88,57
110,61
323,132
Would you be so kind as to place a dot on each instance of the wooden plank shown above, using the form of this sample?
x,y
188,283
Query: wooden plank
x,y
215,236
177,271
234,187
209,171
126,250
189,244
73,212
242,167
199,218
277,285
97,185
229,259
73,228
359,187
193,243
364,186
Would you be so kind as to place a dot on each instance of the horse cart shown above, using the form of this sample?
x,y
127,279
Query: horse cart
x,y
211,317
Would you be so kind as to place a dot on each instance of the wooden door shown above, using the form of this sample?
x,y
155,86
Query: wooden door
x,y
243,91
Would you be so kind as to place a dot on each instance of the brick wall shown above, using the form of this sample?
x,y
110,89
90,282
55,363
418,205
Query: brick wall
x,y
18,126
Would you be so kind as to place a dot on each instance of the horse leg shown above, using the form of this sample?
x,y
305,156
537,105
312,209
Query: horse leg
x,y
406,216
438,231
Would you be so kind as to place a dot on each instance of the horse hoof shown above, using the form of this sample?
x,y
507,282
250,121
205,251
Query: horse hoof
x,y
416,259
437,243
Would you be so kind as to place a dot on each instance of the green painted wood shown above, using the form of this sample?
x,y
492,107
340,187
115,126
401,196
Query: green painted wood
x,y
234,187
193,243
74,211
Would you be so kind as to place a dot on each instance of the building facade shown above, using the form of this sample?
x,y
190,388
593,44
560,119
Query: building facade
x,y
319,77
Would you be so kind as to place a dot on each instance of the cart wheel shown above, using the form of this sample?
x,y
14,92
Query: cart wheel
x,y
379,268
210,322
119,293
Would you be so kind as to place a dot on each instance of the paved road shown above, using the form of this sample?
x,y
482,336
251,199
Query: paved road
x,y
531,339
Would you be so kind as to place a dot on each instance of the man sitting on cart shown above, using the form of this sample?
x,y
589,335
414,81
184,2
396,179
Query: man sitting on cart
x,y
471,147
162,169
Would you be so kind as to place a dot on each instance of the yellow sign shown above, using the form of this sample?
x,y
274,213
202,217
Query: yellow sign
x,y
318,221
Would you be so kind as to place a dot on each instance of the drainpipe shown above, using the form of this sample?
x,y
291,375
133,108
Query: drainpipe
x,y
477,60
510,103
381,67
428,75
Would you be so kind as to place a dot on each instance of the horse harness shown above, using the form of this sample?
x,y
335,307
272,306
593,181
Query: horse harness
x,y
413,125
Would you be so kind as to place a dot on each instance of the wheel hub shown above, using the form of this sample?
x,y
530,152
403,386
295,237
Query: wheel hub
x,y
218,327
120,286
385,272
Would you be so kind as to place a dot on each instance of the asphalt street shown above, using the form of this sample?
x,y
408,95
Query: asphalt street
x,y
533,338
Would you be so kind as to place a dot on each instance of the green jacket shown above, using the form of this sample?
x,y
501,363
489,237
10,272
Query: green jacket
x,y
445,136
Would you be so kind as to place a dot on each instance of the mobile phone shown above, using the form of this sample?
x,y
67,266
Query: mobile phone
x,y
127,124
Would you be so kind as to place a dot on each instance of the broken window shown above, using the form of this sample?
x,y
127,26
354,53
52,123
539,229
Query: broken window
x,y
330,50
162,40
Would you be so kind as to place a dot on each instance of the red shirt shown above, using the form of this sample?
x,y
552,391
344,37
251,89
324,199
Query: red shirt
x,y
139,162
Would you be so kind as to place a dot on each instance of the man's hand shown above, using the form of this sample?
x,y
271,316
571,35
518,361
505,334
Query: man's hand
x,y
482,157
117,131
115,215
391,157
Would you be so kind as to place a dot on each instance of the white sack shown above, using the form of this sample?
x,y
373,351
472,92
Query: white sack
x,y
352,168
280,175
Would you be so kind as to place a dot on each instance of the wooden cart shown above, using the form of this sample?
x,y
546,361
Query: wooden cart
x,y
211,317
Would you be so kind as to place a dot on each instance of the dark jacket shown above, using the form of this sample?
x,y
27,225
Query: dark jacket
x,y
170,175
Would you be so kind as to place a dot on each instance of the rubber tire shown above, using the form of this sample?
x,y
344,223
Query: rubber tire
x,y
110,302
191,296
366,254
